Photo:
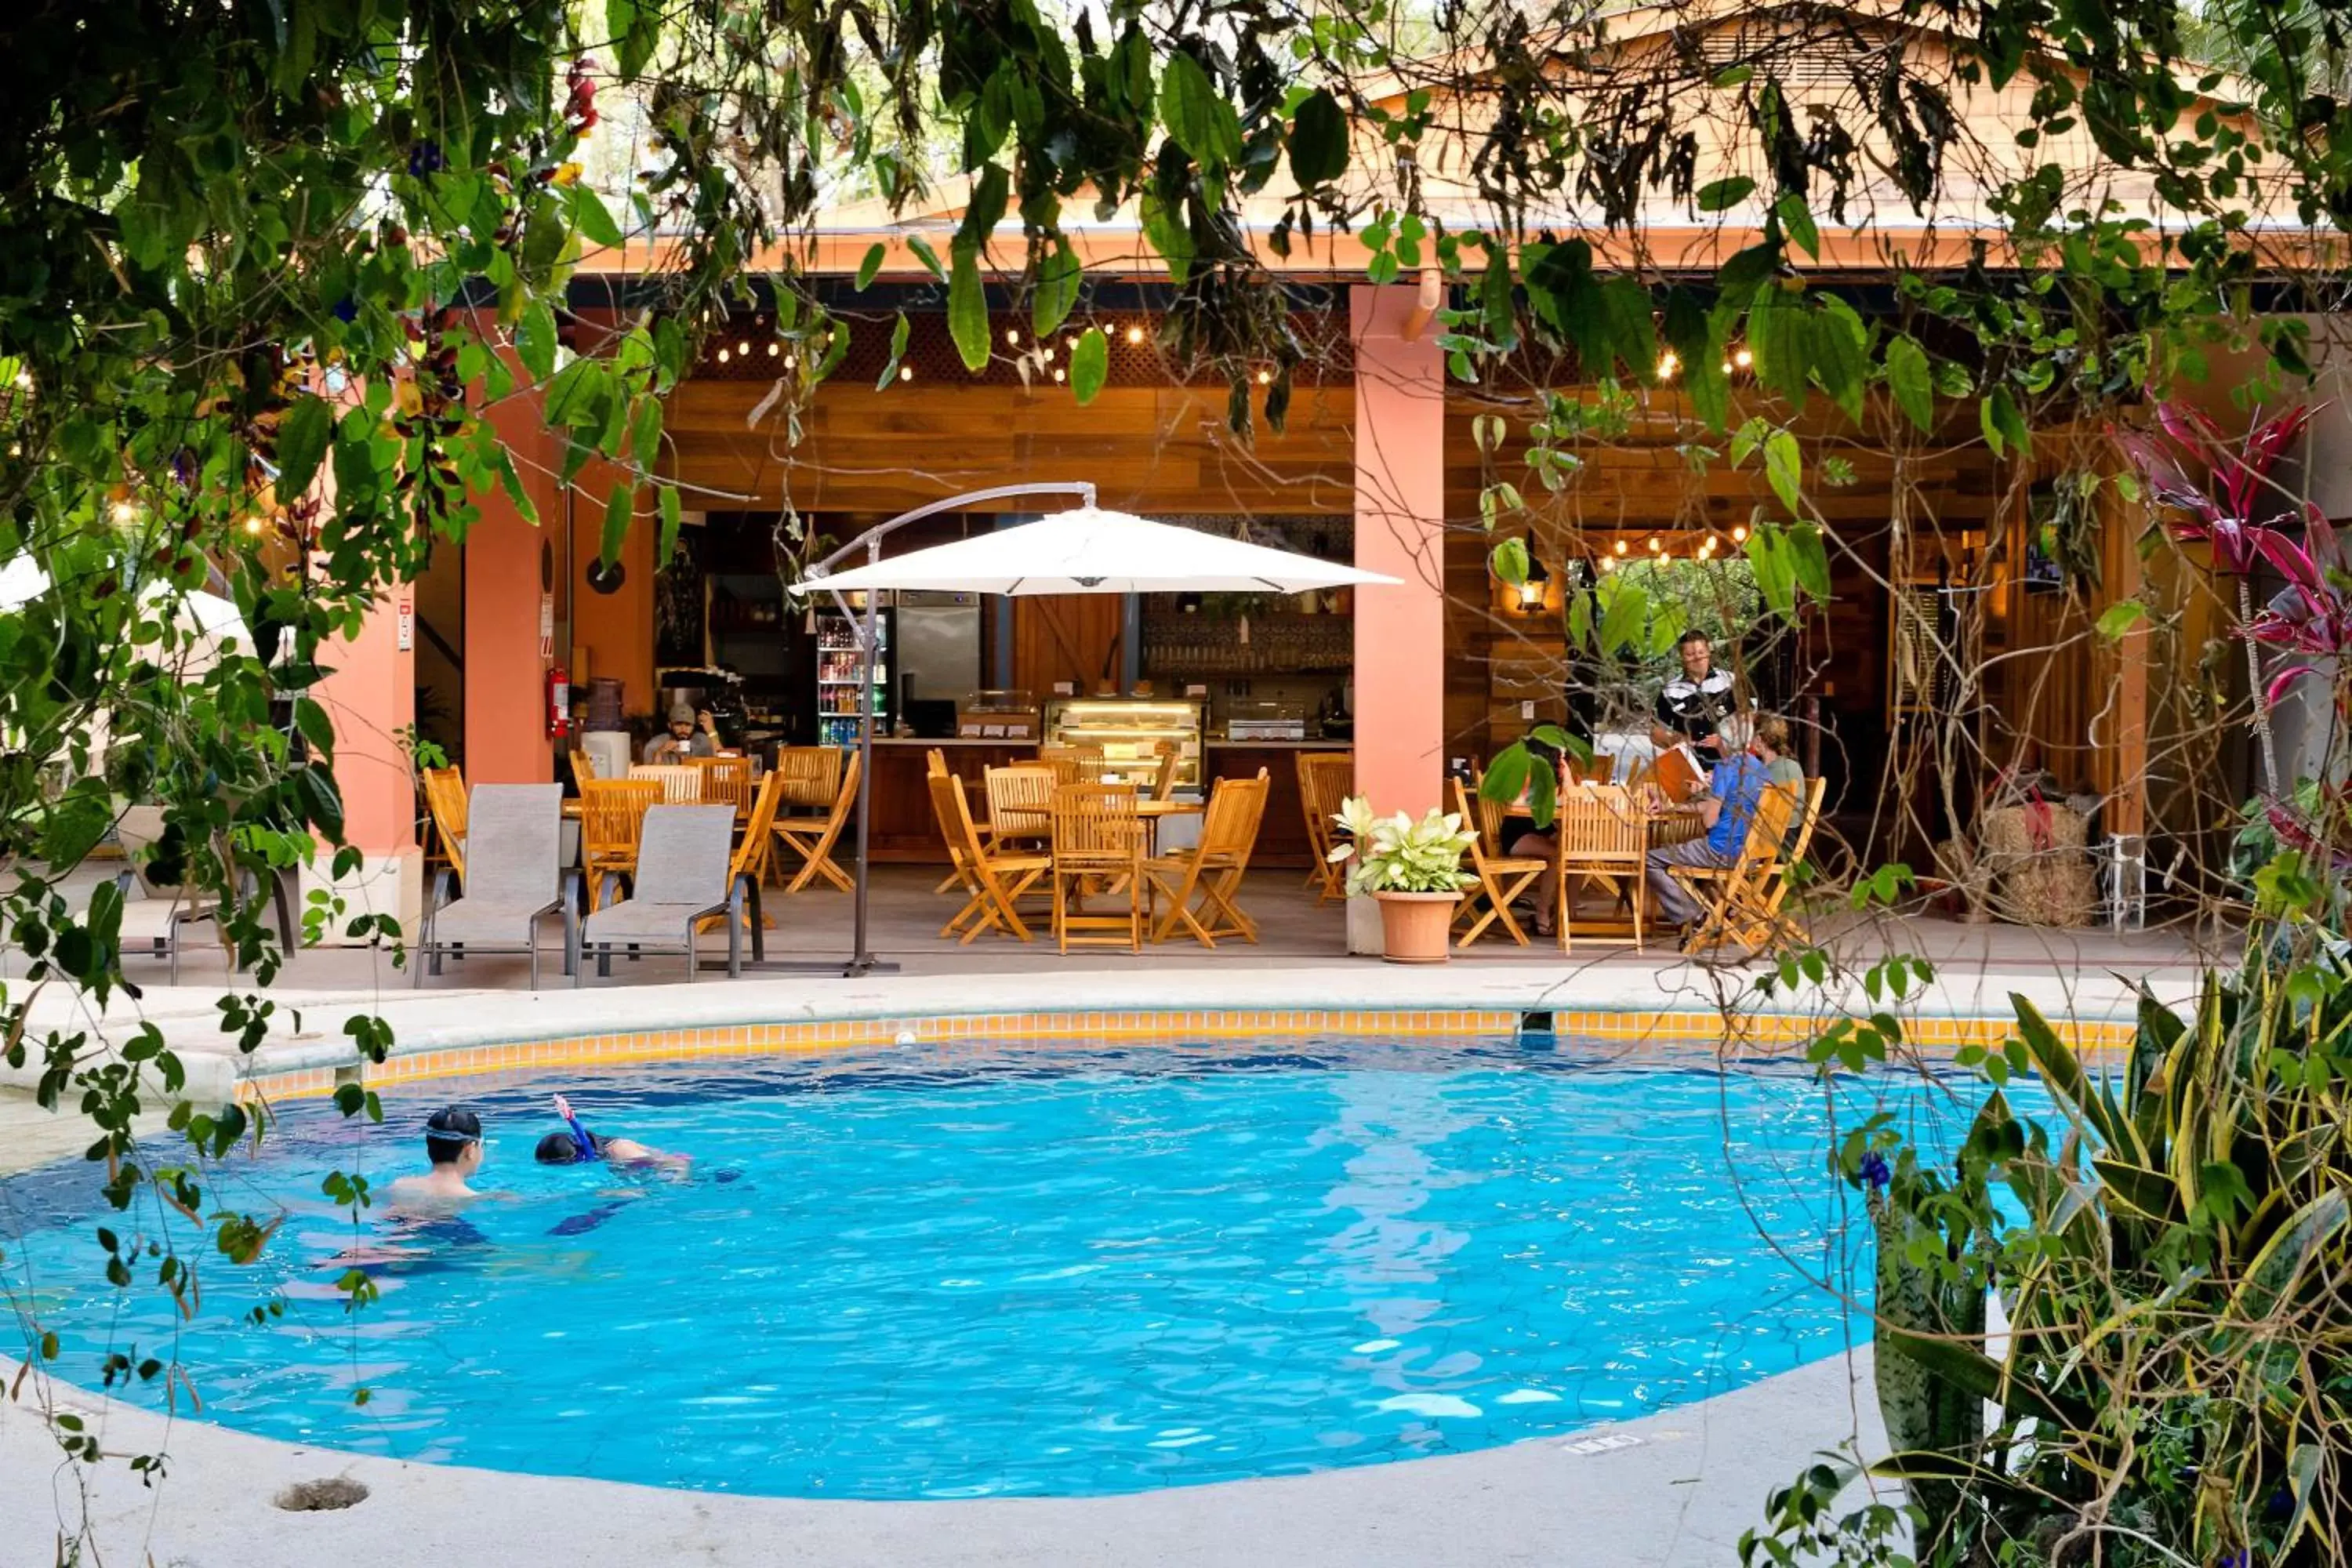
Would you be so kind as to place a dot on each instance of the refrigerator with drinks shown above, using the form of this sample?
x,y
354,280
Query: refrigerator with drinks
x,y
840,670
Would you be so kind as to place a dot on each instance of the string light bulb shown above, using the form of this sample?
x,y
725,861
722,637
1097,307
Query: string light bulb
x,y
1739,533
253,525
125,513
906,373
1656,545
1668,365
744,348
1135,333
1058,372
775,348
1264,376
1621,547
1013,336
1742,358
724,356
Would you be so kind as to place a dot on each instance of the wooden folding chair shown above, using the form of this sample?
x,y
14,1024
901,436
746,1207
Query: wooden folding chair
x,y
1602,769
992,882
681,784
612,819
1073,764
1164,782
584,766
726,781
749,864
812,777
813,838
1097,836
1324,780
1020,804
1212,871
1501,877
445,811
1605,839
1732,898
1808,817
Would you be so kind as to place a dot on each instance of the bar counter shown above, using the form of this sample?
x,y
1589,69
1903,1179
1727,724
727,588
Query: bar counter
x,y
905,833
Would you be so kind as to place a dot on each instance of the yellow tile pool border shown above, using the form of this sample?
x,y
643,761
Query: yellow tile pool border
x,y
811,1037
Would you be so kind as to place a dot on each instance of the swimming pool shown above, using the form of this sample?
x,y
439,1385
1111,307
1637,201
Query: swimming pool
x,y
1059,1272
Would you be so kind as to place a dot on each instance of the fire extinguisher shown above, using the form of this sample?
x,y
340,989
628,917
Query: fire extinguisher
x,y
559,702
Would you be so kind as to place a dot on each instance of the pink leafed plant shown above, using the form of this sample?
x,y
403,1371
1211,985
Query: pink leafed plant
x,y
2240,512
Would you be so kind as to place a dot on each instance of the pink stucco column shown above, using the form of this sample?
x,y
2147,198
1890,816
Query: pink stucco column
x,y
368,699
506,674
1400,530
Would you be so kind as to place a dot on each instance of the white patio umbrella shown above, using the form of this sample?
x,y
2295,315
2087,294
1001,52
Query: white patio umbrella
x,y
1087,549
1090,550
209,627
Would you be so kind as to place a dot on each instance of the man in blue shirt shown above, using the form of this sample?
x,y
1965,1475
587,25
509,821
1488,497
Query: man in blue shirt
x,y
1734,789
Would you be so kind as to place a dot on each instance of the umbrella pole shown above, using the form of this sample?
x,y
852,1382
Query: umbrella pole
x,y
862,962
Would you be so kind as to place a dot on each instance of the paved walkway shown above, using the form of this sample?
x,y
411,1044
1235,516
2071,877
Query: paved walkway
x,y
1677,1495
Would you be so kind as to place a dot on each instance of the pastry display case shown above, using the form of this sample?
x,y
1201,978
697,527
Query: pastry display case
x,y
1130,732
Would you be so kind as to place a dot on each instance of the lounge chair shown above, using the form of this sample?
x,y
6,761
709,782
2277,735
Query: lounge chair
x,y
512,876
153,921
684,873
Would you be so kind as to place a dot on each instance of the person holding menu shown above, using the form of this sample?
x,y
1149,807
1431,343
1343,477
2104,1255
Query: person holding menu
x,y
1693,706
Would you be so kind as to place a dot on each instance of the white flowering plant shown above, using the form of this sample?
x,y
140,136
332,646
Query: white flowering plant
x,y
1397,855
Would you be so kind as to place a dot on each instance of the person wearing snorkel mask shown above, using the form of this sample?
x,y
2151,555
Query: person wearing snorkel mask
x,y
576,1145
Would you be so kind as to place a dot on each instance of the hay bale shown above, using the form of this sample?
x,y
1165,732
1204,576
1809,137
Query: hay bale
x,y
2037,867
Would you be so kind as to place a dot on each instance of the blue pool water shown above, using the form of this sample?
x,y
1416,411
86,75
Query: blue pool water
x,y
1054,1273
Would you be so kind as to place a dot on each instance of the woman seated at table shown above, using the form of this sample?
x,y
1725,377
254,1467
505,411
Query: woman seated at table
x,y
1522,837
690,735
1735,786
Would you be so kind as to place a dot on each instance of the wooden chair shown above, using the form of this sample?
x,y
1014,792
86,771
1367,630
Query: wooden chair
x,y
1602,769
1732,898
1164,782
992,882
584,766
612,819
749,867
1808,817
1213,871
1501,877
1073,764
680,785
726,781
1097,837
1604,839
1324,780
812,777
1020,804
813,838
444,808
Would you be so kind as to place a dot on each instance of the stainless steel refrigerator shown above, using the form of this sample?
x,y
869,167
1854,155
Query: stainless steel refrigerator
x,y
938,651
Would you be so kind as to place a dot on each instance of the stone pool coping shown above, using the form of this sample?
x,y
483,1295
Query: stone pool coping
x,y
454,1034
1669,1490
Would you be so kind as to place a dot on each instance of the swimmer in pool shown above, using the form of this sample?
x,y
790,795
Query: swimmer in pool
x,y
453,1150
578,1146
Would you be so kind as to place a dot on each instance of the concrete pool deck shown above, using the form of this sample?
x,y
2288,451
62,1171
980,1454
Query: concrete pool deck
x,y
1669,1490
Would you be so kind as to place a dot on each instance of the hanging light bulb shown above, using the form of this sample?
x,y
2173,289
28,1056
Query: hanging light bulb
x,y
253,525
1726,367
775,348
1135,333
744,348
1656,545
1058,372
1739,533
1667,364
1608,564
1742,358
1264,376
792,362
1013,336
1621,547
124,511
906,373
724,356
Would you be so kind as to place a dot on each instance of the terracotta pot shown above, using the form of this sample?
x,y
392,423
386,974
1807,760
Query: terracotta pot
x,y
1416,928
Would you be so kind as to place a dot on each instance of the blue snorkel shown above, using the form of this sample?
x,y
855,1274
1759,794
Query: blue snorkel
x,y
583,1145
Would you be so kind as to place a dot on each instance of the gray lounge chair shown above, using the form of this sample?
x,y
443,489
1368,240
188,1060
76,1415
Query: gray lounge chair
x,y
682,877
512,878
153,921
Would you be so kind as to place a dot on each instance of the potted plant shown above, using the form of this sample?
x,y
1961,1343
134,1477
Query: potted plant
x,y
1414,869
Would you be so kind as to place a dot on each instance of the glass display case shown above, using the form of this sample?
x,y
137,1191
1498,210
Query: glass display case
x,y
1130,732
998,714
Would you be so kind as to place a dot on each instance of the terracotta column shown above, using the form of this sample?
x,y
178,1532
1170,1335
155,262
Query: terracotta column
x,y
370,698
506,674
1399,675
